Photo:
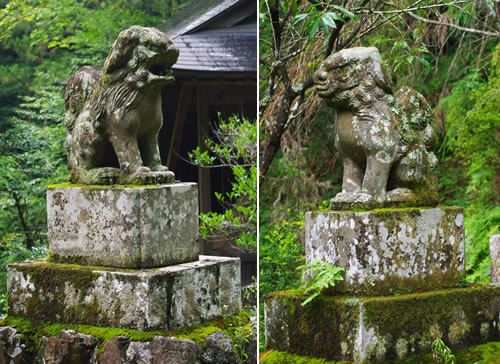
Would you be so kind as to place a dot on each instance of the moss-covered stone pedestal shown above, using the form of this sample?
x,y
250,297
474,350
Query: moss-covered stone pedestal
x,y
228,340
123,226
125,257
381,328
390,250
147,299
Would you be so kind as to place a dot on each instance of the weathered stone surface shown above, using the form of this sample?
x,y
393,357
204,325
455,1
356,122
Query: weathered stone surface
x,y
163,350
251,346
71,347
385,141
219,350
381,328
148,299
495,258
389,251
113,121
134,227
13,348
114,350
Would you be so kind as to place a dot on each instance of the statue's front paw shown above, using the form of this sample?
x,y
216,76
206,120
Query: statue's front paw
x,y
350,200
164,177
145,176
400,195
351,197
159,168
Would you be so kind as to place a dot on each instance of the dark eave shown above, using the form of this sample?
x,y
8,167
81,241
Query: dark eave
x,y
218,50
196,15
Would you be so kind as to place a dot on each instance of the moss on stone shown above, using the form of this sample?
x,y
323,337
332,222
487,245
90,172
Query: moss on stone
x,y
488,353
396,326
97,187
280,357
388,210
34,330
416,311
49,298
72,259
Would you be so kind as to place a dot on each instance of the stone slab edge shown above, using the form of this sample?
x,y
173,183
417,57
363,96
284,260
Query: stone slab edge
x,y
383,328
149,299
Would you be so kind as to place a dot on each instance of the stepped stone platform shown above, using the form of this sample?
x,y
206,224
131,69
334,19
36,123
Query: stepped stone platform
x,y
358,328
120,226
390,250
145,299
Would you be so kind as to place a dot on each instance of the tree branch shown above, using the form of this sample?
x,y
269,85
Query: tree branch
x,y
470,30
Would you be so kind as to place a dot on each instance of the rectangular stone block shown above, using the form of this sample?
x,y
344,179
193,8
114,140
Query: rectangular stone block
x,y
391,250
381,329
146,299
128,227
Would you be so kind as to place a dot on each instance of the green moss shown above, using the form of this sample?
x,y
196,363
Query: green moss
x,y
327,327
97,187
443,308
488,353
49,279
72,259
281,357
387,210
34,330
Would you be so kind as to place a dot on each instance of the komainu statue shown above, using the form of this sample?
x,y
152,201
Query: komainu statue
x,y
385,140
113,121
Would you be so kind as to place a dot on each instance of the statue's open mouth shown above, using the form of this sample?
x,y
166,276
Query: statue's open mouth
x,y
160,70
161,73
323,89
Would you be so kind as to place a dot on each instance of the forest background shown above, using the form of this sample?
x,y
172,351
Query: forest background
x,y
447,50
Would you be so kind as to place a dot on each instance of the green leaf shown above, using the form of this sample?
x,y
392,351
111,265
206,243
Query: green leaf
x,y
314,28
329,20
345,12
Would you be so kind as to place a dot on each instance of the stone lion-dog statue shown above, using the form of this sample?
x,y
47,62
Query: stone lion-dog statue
x,y
113,120
385,140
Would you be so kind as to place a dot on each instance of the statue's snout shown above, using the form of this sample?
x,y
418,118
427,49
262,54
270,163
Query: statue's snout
x,y
320,75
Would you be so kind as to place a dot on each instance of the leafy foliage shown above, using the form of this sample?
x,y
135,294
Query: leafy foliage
x,y
473,119
322,276
280,253
235,147
441,353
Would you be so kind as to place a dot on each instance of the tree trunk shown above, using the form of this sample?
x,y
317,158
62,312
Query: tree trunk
x,y
29,240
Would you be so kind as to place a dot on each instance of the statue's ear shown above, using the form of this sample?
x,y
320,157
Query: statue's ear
x,y
378,72
122,49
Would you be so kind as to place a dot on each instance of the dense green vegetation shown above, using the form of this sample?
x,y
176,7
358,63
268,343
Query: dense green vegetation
x,y
43,42
235,147
447,50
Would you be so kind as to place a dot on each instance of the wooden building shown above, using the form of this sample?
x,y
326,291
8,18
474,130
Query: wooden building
x,y
216,73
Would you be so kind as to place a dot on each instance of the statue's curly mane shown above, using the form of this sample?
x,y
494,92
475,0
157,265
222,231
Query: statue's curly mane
x,y
113,120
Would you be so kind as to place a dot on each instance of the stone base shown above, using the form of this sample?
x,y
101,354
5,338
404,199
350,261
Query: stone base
x,y
126,227
382,328
391,250
148,299
214,342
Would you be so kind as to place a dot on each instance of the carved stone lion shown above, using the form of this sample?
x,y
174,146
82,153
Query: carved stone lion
x,y
113,121
385,140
